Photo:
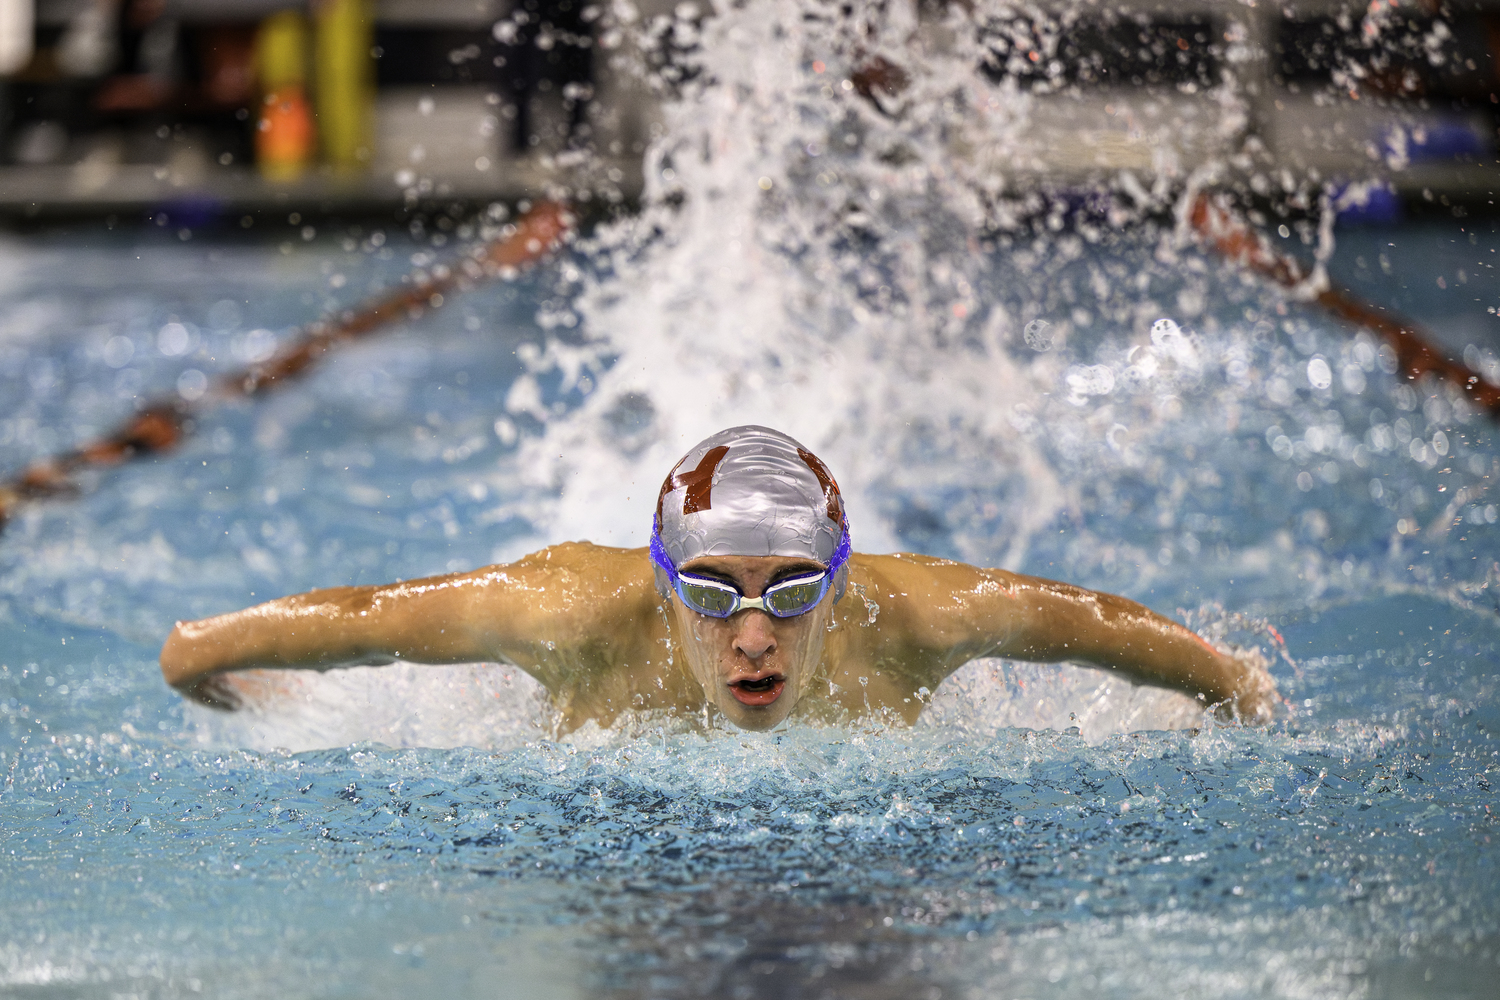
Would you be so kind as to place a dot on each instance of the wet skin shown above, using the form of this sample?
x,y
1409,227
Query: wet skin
x,y
753,667
586,621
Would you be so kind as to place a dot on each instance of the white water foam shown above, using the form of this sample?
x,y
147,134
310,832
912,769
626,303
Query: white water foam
x,y
804,261
401,705
499,707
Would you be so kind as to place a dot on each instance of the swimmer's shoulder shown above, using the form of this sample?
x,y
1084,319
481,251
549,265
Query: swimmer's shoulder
x,y
920,595
891,590
569,613
612,579
912,574
590,559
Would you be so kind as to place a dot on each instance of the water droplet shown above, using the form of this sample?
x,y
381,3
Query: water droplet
x,y
118,351
1037,335
192,384
1319,375
173,339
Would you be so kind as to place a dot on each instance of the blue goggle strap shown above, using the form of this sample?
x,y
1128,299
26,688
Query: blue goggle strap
x,y
666,573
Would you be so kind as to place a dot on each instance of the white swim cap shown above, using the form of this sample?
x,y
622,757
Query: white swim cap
x,y
750,491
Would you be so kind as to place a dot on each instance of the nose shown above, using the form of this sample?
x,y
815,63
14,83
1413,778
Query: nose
x,y
754,635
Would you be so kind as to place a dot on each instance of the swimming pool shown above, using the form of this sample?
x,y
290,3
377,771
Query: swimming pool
x,y
1014,402
158,850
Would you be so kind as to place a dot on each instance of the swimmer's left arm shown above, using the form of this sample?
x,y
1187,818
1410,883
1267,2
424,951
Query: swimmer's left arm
x,y
961,612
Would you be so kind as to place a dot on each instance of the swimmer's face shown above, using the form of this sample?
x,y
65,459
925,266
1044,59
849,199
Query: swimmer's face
x,y
753,666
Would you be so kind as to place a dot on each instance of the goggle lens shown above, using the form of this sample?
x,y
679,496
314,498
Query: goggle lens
x,y
786,599
707,599
795,597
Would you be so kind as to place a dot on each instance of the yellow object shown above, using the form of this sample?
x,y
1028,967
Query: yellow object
x,y
345,81
284,134
281,51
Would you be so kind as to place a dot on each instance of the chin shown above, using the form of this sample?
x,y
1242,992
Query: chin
x,y
755,719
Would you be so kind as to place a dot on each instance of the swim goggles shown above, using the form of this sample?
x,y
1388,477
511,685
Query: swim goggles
x,y
783,599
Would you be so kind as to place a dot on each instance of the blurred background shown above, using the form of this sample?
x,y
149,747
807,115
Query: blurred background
x,y
940,245
229,105
223,107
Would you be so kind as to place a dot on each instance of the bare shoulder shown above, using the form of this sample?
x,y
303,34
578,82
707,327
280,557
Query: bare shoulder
x,y
928,583
927,603
586,557
577,580
908,566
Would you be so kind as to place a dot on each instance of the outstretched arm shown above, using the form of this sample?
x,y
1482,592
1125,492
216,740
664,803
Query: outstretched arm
x,y
522,613
954,613
323,629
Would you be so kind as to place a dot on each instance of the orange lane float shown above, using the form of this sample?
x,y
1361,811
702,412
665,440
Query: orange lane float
x,y
1218,226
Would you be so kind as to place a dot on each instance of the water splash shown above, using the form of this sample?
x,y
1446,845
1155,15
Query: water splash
x,y
808,259
403,705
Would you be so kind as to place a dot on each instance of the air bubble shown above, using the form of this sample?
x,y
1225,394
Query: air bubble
x,y
1318,373
1037,335
192,384
173,340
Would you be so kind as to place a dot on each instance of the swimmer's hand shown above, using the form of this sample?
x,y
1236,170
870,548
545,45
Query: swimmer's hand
x,y
1255,697
185,666
215,691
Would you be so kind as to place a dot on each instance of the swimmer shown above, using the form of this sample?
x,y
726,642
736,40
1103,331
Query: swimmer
x,y
749,600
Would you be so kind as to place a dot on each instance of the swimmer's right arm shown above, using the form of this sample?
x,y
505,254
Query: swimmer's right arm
x,y
515,613
319,630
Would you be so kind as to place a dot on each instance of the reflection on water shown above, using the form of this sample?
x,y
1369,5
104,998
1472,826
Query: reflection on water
x,y
1319,858
1072,392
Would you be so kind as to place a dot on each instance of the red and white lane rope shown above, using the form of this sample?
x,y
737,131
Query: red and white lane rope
x,y
163,423
1215,224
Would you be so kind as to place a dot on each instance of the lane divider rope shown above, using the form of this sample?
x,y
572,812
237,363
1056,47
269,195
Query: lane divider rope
x,y
163,423
1215,223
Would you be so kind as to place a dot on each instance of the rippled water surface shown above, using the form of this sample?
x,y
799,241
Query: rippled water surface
x,y
1344,851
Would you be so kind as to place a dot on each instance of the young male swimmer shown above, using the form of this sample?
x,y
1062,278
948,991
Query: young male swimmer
x,y
736,604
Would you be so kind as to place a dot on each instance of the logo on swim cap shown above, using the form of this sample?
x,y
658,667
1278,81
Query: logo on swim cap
x,y
751,491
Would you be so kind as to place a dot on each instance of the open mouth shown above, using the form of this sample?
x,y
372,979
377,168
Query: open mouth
x,y
757,690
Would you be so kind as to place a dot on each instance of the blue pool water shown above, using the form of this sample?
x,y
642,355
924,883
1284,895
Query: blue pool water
x,y
316,848
1053,383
